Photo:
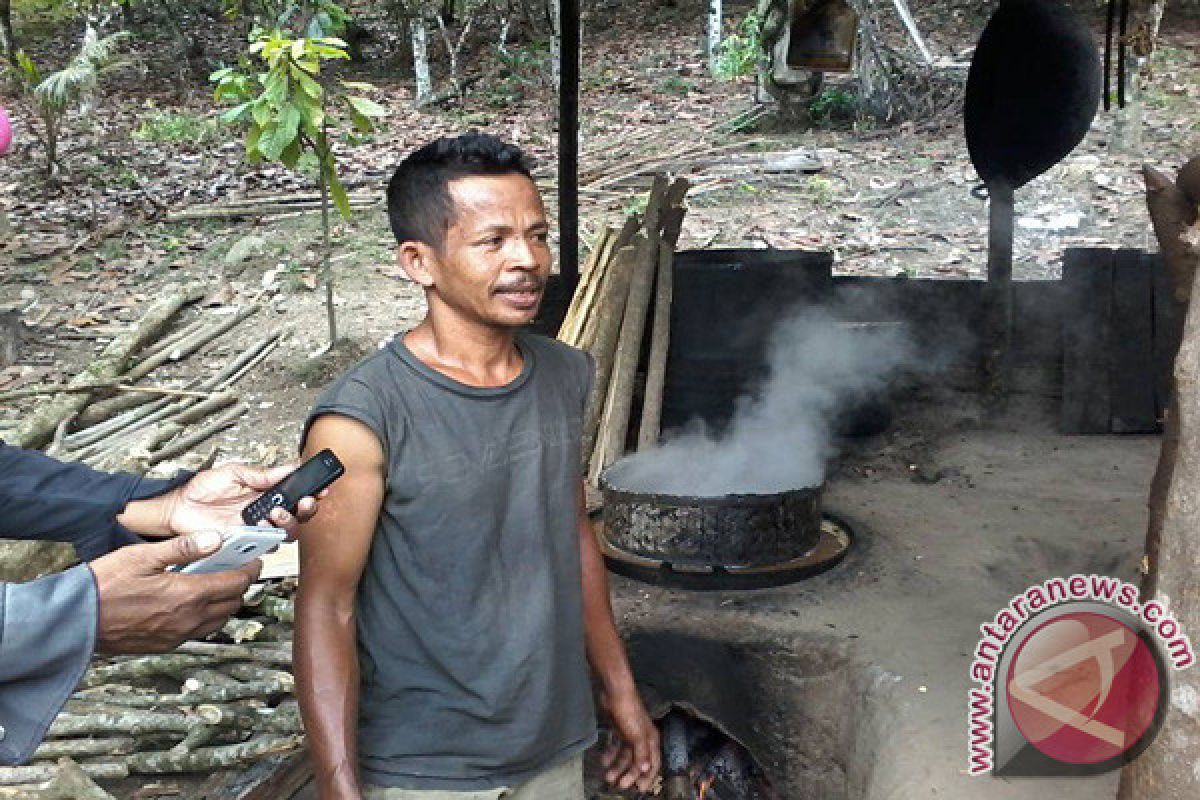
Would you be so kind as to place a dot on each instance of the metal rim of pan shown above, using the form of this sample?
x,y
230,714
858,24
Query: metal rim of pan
x,y
836,538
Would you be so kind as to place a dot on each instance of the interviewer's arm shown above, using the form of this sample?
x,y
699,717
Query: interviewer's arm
x,y
333,552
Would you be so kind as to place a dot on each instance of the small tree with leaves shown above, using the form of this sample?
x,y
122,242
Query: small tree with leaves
x,y
72,88
290,108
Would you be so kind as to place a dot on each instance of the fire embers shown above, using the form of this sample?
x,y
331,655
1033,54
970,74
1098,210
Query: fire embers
x,y
701,762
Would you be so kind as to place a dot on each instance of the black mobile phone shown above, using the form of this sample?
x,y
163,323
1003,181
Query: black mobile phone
x,y
313,476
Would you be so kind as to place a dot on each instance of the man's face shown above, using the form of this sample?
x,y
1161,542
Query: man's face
x,y
494,261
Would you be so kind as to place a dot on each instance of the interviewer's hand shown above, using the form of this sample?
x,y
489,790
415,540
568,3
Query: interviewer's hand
x,y
144,609
215,498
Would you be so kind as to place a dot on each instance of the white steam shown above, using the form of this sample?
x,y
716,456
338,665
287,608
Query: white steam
x,y
782,437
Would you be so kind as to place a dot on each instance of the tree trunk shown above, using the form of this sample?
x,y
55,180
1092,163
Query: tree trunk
x,y
420,47
1164,771
713,41
10,337
1140,40
1172,539
6,32
555,41
326,271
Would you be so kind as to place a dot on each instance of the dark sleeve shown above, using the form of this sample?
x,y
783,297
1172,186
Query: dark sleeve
x,y
41,498
47,634
352,397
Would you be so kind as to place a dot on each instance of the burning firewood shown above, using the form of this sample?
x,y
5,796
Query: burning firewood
x,y
700,762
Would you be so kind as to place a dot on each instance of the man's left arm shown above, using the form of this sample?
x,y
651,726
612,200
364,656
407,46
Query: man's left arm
x,y
636,758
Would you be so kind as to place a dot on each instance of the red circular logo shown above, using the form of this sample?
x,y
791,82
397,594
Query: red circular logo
x,y
1084,688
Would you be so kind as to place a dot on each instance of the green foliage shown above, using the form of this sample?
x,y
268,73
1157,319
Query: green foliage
x,y
742,52
833,105
821,190
637,204
288,109
676,85
179,128
72,88
312,18
523,68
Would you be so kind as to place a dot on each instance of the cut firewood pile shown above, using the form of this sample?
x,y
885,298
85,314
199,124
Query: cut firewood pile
x,y
203,707
113,416
627,275
709,160
608,170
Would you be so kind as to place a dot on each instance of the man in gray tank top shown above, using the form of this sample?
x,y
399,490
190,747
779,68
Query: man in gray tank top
x,y
451,592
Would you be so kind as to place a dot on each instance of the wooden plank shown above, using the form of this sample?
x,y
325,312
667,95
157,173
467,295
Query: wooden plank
x,y
1168,330
273,778
1087,314
1131,369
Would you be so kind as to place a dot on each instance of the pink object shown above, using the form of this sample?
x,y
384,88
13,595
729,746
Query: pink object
x,y
5,132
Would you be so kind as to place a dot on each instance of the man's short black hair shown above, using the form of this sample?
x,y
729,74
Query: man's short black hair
x,y
420,207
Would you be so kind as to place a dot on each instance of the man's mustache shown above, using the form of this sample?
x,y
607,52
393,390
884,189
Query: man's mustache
x,y
523,286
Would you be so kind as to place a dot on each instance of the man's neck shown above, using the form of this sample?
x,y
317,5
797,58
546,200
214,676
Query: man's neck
x,y
472,354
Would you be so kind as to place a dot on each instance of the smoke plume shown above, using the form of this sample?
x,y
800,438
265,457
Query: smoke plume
x,y
781,437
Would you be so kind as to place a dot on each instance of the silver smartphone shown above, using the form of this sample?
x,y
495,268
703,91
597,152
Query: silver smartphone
x,y
239,546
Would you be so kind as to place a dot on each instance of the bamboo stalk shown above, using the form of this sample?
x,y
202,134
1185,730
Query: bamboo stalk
x,y
88,388
186,443
95,444
258,358
189,345
592,267
37,428
176,337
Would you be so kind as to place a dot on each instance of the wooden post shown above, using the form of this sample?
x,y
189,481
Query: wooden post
x,y
999,308
612,301
660,336
568,146
713,38
610,442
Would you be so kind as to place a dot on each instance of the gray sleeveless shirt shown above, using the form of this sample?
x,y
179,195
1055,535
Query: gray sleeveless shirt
x,y
469,611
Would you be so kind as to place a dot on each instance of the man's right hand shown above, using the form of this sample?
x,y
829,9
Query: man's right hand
x,y
145,609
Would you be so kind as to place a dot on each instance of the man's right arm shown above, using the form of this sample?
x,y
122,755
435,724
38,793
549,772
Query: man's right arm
x,y
333,552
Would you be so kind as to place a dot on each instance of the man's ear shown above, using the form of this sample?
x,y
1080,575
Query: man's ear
x,y
416,259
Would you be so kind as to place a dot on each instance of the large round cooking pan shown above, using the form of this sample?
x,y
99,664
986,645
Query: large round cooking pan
x,y
1032,91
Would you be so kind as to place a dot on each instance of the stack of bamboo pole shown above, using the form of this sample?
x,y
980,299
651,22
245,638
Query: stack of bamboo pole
x,y
626,270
